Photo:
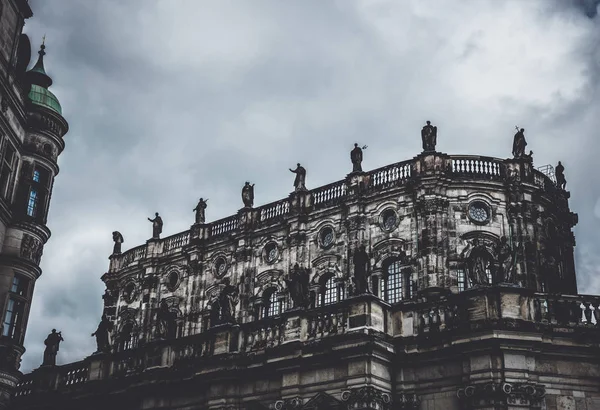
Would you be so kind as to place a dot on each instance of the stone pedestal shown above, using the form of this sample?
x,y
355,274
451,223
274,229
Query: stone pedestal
x,y
366,311
226,338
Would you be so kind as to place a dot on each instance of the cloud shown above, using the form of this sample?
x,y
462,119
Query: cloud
x,y
167,104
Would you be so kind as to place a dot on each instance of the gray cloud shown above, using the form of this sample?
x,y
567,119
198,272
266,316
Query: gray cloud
x,y
167,104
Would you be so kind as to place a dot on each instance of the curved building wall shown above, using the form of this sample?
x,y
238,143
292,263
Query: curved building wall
x,y
431,225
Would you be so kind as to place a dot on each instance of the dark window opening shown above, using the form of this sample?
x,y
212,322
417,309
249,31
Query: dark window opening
x,y
8,166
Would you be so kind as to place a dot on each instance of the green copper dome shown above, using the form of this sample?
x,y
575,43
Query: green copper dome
x,y
44,97
40,81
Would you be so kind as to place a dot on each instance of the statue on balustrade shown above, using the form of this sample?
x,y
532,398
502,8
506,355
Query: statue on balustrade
x,y
166,326
200,210
429,137
157,225
300,180
361,263
356,156
298,286
52,342
477,262
519,144
506,261
227,302
248,195
559,171
102,334
118,240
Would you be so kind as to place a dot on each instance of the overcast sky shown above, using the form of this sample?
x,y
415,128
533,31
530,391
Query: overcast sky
x,y
170,100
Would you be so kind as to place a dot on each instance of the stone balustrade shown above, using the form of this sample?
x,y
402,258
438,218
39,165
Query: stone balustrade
x,y
390,176
416,320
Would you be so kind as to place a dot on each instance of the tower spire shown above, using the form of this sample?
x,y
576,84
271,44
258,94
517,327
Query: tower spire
x,y
38,74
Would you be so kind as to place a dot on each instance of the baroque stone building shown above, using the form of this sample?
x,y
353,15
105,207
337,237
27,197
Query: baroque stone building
x,y
31,139
440,282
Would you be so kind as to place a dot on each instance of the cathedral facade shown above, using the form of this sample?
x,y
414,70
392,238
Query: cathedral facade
x,y
31,139
439,282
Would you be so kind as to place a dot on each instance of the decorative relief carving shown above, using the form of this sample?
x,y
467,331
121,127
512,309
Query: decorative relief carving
x,y
31,248
527,395
432,205
367,397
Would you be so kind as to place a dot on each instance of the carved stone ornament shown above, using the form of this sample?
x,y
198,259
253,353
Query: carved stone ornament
x,y
220,266
527,395
286,404
31,248
432,205
367,397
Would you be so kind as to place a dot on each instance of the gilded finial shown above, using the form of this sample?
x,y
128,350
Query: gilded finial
x,y
44,40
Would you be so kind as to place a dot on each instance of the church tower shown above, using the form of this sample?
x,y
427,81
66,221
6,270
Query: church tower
x,y
31,132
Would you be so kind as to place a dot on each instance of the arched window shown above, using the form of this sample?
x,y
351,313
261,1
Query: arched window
x,y
396,284
272,303
127,338
331,291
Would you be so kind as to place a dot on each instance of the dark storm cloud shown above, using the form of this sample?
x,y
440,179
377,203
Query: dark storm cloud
x,y
167,104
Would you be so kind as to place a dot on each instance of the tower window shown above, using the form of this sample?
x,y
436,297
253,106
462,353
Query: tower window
x,y
7,165
36,175
32,203
15,309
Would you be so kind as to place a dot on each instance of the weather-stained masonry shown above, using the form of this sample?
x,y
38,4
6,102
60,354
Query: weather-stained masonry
x,y
439,282
31,139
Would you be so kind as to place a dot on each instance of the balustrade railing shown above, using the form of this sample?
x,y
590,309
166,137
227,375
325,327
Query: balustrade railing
x,y
176,241
25,387
75,373
133,255
223,226
329,194
477,167
323,324
262,335
190,349
391,175
579,310
274,210
437,317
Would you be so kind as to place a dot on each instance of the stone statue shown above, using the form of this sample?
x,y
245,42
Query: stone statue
x,y
52,342
157,224
559,171
505,267
298,286
166,321
429,137
200,210
118,239
361,270
519,143
227,302
102,335
248,195
477,262
356,156
299,181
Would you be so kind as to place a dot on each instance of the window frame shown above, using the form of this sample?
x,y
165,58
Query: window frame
x,y
7,186
14,315
403,289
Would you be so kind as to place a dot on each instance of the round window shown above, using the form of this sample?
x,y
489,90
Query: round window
x,y
129,292
221,266
327,237
271,252
173,280
479,212
389,219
